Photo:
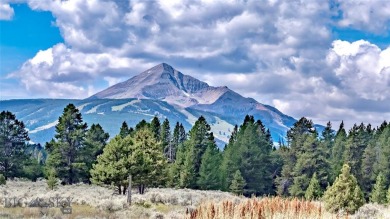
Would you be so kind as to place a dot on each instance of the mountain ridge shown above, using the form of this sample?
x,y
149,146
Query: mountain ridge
x,y
160,91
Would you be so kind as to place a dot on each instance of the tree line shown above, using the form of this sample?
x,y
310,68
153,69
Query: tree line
x,y
309,165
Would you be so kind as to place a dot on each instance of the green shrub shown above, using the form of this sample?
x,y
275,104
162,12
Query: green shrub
x,y
52,180
345,194
2,179
388,196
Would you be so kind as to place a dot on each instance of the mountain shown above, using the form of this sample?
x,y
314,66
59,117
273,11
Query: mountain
x,y
163,82
160,91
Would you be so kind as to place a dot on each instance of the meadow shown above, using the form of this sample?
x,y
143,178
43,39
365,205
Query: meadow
x,y
90,201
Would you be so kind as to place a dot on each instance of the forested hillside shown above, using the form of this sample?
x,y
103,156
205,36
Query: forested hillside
x,y
309,165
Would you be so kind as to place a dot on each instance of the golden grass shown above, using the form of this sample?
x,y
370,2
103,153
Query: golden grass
x,y
273,207
78,211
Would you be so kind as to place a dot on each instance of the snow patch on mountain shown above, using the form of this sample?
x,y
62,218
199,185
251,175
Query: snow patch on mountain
x,y
44,127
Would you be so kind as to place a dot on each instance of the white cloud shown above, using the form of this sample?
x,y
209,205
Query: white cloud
x,y
280,52
6,12
371,15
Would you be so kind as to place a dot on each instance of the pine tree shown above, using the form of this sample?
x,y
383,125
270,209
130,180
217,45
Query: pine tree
x,y
384,147
238,183
138,155
141,125
196,145
344,194
357,141
64,151
148,163
314,191
209,168
94,142
296,138
13,136
166,143
155,127
369,170
255,150
337,152
378,194
230,162
125,130
312,160
112,167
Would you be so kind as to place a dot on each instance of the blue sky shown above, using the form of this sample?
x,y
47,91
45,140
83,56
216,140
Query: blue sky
x,y
324,60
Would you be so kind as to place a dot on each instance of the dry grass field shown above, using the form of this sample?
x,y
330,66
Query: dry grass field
x,y
89,201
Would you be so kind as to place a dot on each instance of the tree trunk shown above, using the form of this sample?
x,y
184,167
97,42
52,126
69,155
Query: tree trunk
x,y
129,191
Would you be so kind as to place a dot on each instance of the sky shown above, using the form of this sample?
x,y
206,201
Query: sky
x,y
325,60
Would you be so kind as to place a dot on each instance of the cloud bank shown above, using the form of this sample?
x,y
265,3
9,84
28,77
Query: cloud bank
x,y
282,53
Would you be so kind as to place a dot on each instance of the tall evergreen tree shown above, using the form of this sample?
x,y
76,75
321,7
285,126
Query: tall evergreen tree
x,y
155,127
13,136
356,143
296,138
255,150
64,150
314,191
337,152
312,160
384,153
199,139
94,142
209,169
166,142
125,130
148,163
378,194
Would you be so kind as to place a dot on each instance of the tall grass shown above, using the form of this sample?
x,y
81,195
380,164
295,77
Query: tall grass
x,y
272,207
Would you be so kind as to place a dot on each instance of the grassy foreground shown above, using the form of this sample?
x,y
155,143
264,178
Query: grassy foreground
x,y
89,201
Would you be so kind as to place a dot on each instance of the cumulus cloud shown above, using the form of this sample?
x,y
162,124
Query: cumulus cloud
x,y
280,52
6,12
373,15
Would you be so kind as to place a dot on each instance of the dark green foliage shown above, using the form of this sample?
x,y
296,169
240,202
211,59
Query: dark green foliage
x,y
141,125
166,143
32,169
125,130
311,160
138,155
345,193
113,164
209,169
238,183
3,181
357,141
249,150
13,136
64,151
337,152
383,142
314,191
155,127
94,142
296,136
378,194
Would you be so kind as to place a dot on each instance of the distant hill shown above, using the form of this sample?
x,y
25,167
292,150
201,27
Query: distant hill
x,y
160,91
